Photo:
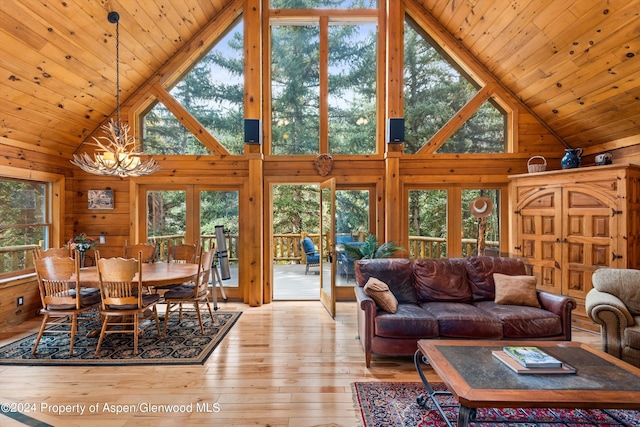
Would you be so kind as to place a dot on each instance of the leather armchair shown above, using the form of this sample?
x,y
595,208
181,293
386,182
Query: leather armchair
x,y
614,303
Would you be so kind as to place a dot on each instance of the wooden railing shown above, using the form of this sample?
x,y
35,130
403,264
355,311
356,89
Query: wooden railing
x,y
207,241
286,248
16,258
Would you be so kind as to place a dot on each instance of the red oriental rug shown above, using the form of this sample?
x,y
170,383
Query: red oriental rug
x,y
394,404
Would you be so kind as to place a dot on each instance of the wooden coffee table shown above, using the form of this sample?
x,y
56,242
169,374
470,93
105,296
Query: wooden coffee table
x,y
479,380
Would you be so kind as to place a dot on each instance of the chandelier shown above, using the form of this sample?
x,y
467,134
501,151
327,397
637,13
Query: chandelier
x,y
115,152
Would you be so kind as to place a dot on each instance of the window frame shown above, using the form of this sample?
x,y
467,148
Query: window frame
x,y
54,212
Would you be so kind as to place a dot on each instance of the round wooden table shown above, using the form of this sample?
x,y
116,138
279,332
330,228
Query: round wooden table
x,y
153,274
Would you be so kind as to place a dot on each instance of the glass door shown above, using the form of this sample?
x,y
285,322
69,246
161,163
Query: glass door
x,y
327,245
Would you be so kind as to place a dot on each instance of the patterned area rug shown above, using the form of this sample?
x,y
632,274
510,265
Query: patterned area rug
x,y
183,344
394,404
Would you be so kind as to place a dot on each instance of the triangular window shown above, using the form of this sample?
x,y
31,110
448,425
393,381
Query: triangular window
x,y
436,89
212,92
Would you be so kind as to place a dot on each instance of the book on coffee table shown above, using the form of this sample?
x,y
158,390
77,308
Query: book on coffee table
x,y
515,366
532,357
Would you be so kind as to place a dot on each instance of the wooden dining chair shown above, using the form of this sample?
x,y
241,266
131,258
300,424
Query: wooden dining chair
x,y
57,278
52,252
183,252
123,303
148,251
196,293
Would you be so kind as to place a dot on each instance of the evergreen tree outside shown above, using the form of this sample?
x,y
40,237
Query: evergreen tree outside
x,y
212,92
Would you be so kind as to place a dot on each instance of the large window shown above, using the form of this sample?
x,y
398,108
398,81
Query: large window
x,y
324,84
24,223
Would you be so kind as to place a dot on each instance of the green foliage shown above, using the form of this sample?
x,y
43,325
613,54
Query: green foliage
x,y
369,249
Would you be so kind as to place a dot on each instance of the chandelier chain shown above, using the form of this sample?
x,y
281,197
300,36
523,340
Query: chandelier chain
x,y
115,151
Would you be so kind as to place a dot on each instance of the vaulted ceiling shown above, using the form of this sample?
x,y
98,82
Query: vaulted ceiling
x,y
574,63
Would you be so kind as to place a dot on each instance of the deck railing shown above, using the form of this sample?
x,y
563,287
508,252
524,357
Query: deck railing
x,y
286,248
16,258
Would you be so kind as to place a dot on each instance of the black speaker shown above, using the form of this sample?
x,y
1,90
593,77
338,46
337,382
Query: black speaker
x,y
395,130
252,134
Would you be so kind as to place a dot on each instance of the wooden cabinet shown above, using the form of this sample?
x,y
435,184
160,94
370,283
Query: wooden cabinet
x,y
568,223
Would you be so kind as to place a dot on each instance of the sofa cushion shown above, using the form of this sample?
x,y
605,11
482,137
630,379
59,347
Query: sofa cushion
x,y
441,280
522,321
516,290
395,272
380,293
480,271
460,320
409,321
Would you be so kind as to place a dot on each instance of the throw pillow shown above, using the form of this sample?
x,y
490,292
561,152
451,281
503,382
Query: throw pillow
x,y
516,290
380,293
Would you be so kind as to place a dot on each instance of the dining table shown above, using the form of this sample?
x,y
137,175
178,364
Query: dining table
x,y
153,274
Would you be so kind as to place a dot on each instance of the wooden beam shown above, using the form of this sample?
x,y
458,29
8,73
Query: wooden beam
x,y
190,122
464,114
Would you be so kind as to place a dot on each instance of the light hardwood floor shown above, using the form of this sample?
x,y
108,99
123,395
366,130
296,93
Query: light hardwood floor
x,y
283,364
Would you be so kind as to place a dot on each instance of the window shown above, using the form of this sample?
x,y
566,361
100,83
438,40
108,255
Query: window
x,y
428,223
25,223
324,84
435,90
213,93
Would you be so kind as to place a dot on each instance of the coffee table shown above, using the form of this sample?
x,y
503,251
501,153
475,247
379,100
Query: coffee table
x,y
479,380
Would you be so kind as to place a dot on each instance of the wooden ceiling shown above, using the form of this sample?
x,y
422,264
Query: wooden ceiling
x,y
574,63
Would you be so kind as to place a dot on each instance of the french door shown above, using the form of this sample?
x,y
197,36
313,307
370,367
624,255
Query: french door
x,y
327,245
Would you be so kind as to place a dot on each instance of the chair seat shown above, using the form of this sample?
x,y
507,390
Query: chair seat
x,y
147,299
88,297
313,259
182,292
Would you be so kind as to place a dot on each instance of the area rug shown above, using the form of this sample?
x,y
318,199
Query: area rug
x,y
394,404
183,344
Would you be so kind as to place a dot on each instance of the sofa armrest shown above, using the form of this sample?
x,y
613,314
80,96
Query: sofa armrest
x,y
562,306
612,315
367,311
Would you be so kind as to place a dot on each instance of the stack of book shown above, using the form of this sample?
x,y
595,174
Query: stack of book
x,y
531,360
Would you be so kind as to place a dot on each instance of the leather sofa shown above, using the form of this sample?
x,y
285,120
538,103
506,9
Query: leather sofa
x,y
453,299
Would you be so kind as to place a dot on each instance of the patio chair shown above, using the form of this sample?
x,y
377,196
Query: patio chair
x,y
57,278
123,304
311,254
196,293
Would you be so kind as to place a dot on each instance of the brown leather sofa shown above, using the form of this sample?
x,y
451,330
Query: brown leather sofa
x,y
453,299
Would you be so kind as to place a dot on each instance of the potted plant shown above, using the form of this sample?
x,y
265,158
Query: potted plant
x,y
369,249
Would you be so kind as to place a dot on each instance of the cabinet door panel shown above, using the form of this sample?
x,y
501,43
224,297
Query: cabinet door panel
x,y
538,239
587,239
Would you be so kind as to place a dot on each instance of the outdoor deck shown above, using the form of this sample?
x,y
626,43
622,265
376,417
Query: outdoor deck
x,y
290,282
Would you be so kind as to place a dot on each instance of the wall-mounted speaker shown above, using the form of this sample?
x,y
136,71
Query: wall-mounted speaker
x,y
252,133
395,130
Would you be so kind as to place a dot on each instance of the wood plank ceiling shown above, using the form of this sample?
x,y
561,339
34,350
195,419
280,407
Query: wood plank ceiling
x,y
574,63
